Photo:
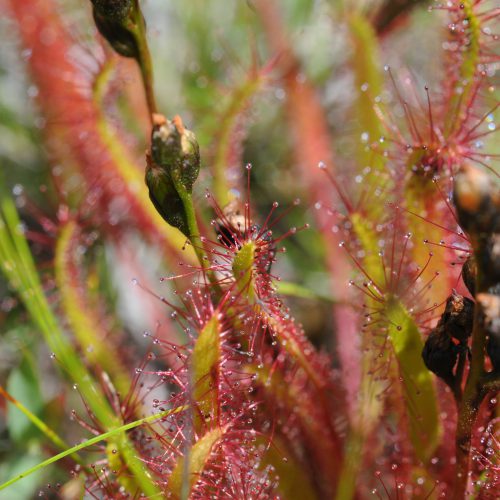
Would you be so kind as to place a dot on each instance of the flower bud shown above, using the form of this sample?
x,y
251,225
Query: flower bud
x,y
175,149
115,20
165,197
113,10
172,168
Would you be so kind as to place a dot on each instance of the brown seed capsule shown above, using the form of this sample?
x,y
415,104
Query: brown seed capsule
x,y
489,258
458,317
449,338
174,148
440,354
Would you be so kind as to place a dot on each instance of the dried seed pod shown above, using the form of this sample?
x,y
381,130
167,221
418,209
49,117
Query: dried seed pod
x,y
164,196
233,229
440,354
449,338
458,317
490,258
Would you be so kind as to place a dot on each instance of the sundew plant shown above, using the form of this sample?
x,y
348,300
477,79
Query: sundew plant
x,y
249,249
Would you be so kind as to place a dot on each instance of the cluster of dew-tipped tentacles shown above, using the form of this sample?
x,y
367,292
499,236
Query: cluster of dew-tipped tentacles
x,y
256,393
257,403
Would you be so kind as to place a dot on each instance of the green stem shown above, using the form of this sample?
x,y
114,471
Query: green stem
x,y
138,27
194,232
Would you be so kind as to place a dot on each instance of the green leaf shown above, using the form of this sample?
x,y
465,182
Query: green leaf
x,y
183,478
467,70
205,375
243,270
294,482
403,333
420,394
16,262
83,320
363,228
365,61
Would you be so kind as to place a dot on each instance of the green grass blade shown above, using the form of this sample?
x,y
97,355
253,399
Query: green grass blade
x,y
90,442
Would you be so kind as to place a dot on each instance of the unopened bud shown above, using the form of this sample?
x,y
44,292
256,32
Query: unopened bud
x,y
175,149
116,21
113,10
172,168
